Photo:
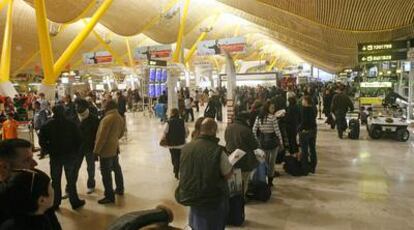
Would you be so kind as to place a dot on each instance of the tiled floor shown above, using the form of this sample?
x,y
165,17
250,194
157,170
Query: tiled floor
x,y
359,184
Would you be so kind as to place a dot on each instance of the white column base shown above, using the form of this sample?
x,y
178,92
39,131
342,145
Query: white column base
x,y
7,89
48,90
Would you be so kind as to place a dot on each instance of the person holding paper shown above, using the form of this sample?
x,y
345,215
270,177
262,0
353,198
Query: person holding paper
x,y
238,135
204,171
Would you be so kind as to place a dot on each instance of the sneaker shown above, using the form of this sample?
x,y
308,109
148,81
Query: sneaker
x,y
106,200
90,190
78,204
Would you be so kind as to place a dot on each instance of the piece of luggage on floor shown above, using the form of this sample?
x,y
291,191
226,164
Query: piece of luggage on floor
x,y
293,167
236,210
354,129
258,188
236,214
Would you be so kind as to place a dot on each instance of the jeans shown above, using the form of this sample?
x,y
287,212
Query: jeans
x,y
175,160
271,161
188,113
109,164
71,167
309,158
90,167
209,218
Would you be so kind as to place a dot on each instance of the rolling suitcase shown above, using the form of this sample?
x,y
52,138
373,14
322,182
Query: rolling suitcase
x,y
258,188
354,129
293,167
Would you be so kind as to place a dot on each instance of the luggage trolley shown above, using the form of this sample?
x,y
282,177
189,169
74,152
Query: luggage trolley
x,y
353,124
385,123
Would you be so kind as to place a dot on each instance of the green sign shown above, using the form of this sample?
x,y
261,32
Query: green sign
x,y
382,46
383,56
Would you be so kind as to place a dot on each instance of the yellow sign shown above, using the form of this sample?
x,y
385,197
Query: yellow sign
x,y
370,101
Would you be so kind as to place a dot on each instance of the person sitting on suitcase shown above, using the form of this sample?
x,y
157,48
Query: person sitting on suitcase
x,y
204,162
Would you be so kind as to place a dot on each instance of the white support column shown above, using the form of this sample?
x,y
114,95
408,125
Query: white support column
x,y
48,90
410,91
172,93
231,86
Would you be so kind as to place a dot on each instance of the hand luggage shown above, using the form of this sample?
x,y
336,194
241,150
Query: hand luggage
x,y
258,188
354,129
293,167
236,214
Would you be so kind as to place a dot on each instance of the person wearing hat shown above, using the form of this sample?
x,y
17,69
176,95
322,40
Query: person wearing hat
x,y
238,135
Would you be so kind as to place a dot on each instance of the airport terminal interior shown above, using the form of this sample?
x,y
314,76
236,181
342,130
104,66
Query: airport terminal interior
x,y
206,114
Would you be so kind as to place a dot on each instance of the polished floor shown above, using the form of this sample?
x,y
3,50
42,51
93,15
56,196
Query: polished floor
x,y
359,184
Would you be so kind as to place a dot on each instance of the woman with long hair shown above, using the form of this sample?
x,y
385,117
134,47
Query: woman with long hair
x,y
266,131
307,134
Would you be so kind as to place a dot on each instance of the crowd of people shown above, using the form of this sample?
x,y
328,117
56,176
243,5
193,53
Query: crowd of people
x,y
270,125
69,131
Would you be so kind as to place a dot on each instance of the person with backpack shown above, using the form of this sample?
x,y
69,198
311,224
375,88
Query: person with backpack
x,y
175,133
266,131
307,136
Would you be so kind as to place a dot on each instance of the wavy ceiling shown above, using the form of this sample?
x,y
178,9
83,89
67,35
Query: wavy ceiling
x,y
323,32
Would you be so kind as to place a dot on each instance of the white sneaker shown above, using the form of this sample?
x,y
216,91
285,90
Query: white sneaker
x,y
90,190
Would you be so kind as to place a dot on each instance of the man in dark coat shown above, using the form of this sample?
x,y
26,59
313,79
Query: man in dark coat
x,y
60,138
341,104
89,124
239,135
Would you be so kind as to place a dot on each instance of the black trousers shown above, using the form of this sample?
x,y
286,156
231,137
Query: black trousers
x,y
309,158
71,167
90,167
292,140
197,104
109,165
188,113
341,123
175,160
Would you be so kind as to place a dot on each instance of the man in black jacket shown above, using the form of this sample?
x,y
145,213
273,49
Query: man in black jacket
x,y
341,104
60,138
239,135
89,124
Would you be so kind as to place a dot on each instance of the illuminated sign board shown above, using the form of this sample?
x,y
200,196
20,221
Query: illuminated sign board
x,y
382,46
380,57
157,63
385,84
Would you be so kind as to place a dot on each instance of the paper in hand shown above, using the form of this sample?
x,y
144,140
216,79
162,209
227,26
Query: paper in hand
x,y
236,156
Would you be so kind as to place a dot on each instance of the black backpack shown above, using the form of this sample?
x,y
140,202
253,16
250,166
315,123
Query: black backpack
x,y
293,167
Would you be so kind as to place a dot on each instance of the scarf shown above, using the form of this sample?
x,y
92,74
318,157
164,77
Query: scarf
x,y
84,115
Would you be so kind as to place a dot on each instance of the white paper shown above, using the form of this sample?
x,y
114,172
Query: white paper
x,y
236,156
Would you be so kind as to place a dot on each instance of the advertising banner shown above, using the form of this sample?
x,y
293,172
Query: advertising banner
x,y
216,47
162,52
100,57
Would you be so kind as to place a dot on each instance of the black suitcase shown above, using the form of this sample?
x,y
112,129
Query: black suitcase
x,y
354,129
293,167
236,210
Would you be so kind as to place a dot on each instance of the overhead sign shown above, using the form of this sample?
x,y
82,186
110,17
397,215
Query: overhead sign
x,y
384,56
216,47
382,46
157,63
100,57
385,84
162,52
